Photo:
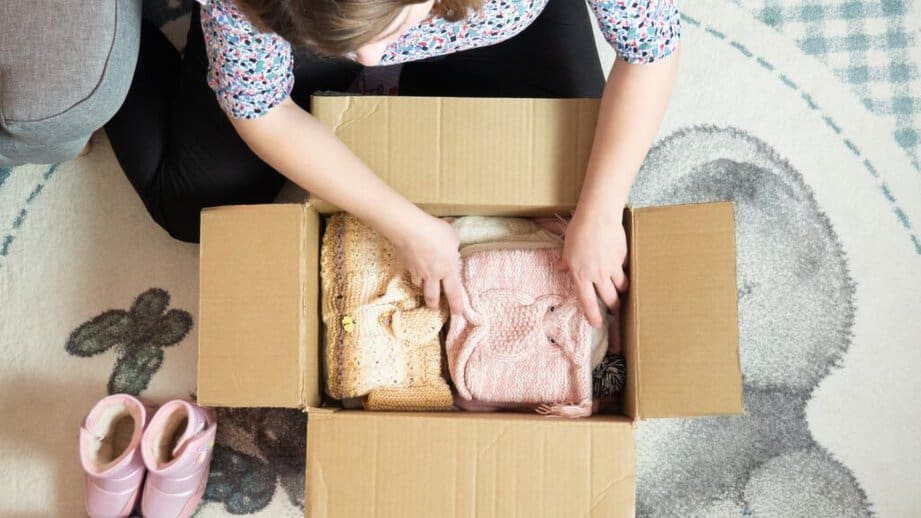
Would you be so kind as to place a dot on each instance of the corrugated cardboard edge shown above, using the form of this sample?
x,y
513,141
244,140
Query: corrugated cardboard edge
x,y
302,335
451,209
630,329
735,275
735,295
316,492
311,323
198,363
634,253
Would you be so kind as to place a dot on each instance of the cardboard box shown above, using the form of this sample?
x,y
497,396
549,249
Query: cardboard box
x,y
259,332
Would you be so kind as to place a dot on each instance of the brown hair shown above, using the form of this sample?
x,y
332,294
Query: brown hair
x,y
337,27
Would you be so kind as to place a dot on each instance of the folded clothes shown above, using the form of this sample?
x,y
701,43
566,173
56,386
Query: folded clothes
x,y
494,232
522,338
481,233
382,343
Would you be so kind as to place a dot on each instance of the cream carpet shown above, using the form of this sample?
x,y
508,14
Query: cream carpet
x,y
805,113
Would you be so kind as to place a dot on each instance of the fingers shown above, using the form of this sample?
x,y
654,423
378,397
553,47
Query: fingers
x,y
561,266
452,287
588,300
607,292
620,280
432,291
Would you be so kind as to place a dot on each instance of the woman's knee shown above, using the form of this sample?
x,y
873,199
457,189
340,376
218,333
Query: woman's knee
x,y
184,226
178,210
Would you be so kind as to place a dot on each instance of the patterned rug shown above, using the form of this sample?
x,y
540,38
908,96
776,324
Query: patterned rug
x,y
805,113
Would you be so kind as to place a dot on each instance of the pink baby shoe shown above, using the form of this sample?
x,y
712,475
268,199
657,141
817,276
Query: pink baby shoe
x,y
177,447
110,439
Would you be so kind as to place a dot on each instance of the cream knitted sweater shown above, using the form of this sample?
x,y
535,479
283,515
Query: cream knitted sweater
x,y
382,343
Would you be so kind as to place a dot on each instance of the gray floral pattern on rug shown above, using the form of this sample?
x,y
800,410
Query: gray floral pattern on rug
x,y
796,311
138,337
258,449
243,483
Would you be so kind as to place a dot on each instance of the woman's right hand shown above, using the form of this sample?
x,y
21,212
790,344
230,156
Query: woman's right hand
x,y
428,248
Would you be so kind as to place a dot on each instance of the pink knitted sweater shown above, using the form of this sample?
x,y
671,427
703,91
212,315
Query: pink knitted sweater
x,y
522,338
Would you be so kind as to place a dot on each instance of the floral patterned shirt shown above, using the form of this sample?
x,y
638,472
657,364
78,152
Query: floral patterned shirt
x,y
252,71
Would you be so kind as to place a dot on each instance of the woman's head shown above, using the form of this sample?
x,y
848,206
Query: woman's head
x,y
341,27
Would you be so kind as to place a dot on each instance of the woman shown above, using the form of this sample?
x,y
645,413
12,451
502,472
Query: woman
x,y
217,125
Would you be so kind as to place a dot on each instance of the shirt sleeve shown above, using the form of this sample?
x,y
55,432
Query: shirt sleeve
x,y
250,71
641,31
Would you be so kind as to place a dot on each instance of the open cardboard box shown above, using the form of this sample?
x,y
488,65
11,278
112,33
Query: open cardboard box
x,y
260,327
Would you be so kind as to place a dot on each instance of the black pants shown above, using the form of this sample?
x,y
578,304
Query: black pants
x,y
181,153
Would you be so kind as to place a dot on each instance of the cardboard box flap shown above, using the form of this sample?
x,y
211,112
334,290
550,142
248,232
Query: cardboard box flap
x,y
680,317
251,324
468,156
397,465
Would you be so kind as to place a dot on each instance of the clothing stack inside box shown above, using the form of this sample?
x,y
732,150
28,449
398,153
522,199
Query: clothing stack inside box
x,y
521,341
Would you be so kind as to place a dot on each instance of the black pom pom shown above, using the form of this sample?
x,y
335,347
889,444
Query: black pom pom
x,y
608,377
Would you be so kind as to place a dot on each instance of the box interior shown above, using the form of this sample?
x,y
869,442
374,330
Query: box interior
x,y
314,375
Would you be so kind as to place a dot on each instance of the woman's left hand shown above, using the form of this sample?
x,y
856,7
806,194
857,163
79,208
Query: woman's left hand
x,y
595,247
594,252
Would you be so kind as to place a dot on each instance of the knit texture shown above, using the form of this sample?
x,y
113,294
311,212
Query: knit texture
x,y
477,233
481,233
379,336
522,337
410,399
